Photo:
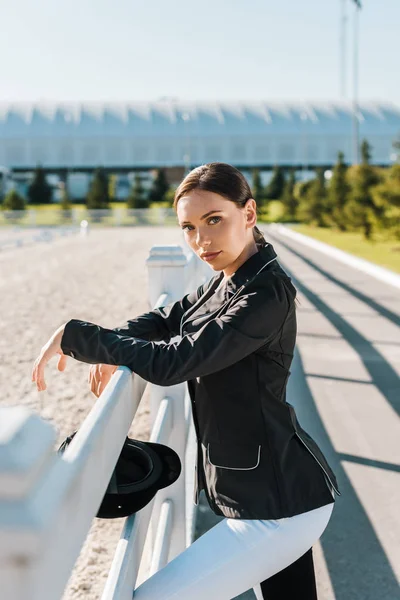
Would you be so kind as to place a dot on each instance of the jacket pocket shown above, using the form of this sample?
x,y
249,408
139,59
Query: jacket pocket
x,y
243,457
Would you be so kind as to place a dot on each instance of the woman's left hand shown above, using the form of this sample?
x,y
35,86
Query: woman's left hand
x,y
49,350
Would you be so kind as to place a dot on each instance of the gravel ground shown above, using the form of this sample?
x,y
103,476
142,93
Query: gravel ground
x,y
103,279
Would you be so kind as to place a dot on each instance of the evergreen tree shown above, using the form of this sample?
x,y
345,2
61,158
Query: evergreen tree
x,y
39,191
137,197
301,189
338,193
170,196
159,187
14,201
274,190
289,200
386,195
65,205
312,206
112,187
257,188
98,195
361,210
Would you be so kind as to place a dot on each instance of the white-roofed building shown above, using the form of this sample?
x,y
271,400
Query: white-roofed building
x,y
168,133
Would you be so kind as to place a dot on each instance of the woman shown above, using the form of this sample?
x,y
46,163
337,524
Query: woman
x,y
258,467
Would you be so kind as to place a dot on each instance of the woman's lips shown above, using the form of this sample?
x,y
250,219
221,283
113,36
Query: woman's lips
x,y
211,256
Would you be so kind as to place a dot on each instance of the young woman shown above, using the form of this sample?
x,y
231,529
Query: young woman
x,y
258,467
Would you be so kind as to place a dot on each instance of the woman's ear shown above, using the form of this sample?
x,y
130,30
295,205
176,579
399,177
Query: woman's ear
x,y
251,212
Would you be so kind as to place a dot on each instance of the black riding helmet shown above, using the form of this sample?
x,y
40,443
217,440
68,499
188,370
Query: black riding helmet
x,y
141,470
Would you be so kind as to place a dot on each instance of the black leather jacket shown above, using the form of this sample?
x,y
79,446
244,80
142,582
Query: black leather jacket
x,y
254,460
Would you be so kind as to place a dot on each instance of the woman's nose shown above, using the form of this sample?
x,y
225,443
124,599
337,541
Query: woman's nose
x,y
202,239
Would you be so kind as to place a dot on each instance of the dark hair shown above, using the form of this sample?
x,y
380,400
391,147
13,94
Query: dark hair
x,y
222,179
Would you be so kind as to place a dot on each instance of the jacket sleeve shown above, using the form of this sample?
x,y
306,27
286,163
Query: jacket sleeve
x,y
252,321
162,323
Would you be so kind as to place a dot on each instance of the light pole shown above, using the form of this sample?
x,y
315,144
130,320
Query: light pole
x,y
343,21
356,150
186,156
303,117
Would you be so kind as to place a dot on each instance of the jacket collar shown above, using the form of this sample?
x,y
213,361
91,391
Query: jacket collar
x,y
249,268
225,290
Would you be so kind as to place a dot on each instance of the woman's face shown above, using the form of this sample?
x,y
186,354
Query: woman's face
x,y
211,223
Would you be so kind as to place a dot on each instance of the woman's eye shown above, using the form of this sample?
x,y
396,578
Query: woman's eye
x,y
210,219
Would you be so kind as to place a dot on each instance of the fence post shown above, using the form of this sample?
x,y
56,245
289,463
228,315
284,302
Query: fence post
x,y
26,451
167,266
32,217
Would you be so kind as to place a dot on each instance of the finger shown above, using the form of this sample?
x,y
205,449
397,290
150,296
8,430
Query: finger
x,y
40,381
96,378
62,362
34,371
104,382
94,384
101,387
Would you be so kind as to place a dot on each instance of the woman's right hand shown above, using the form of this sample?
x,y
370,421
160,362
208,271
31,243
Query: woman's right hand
x,y
99,376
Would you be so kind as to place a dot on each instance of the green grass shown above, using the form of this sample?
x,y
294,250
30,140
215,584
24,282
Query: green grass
x,y
381,251
273,212
51,215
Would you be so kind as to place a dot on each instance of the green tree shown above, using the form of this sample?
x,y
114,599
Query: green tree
x,y
289,200
386,195
112,187
274,189
312,206
39,191
14,201
159,187
170,195
137,197
257,187
301,188
338,193
361,210
98,195
65,205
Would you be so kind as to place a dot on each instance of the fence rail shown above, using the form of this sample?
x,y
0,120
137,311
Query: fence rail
x,y
116,216
41,530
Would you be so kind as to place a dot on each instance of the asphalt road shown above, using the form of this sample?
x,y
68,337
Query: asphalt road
x,y
345,386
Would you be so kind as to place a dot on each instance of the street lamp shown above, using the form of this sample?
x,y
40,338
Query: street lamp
x,y
356,144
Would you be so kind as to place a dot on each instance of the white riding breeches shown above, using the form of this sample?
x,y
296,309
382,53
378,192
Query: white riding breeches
x,y
234,556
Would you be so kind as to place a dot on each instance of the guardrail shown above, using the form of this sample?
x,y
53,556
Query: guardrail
x,y
48,501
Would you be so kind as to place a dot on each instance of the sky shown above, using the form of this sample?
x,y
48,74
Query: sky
x,y
127,50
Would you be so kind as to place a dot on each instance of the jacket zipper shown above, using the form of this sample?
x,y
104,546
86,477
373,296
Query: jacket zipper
x,y
324,470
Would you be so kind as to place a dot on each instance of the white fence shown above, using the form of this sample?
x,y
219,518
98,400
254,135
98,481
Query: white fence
x,y
18,237
48,501
115,216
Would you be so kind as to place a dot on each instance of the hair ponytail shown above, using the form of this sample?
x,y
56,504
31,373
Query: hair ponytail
x,y
258,237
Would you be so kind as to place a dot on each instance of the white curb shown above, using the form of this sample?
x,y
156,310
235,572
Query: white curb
x,y
361,264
